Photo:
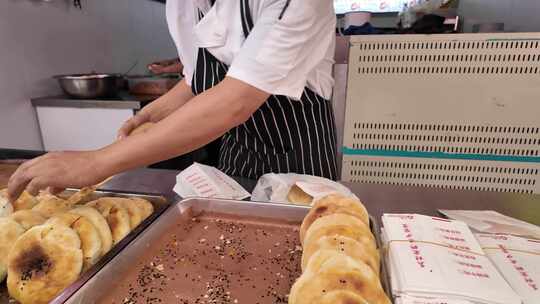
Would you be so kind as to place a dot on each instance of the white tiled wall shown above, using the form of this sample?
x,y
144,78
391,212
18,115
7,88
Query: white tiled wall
x,y
41,39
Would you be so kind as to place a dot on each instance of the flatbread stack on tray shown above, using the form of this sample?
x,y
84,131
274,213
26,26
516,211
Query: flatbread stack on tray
x,y
340,260
47,241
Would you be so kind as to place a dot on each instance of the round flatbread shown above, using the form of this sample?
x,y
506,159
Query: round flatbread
x,y
333,204
10,231
145,206
340,224
5,206
330,271
81,195
24,202
100,223
133,210
87,232
28,218
117,217
344,245
50,204
43,262
341,297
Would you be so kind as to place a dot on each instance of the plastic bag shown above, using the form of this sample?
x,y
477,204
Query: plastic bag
x,y
275,188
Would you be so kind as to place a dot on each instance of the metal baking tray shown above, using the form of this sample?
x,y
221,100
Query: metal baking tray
x,y
97,287
160,205
385,272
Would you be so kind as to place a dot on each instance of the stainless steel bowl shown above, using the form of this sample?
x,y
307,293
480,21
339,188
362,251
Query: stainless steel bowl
x,y
89,85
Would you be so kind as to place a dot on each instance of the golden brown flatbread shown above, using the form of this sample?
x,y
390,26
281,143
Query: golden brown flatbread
x,y
333,204
134,211
49,204
6,208
330,271
100,223
10,231
117,217
341,297
43,261
28,218
87,232
145,206
340,224
24,202
344,245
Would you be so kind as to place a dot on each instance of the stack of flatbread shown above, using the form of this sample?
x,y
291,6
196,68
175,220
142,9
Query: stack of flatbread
x,y
340,260
46,242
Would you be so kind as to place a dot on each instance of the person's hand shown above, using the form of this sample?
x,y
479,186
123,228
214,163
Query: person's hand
x,y
57,171
133,123
158,109
157,68
166,66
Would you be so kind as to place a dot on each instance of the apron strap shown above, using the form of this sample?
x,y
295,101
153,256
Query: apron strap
x,y
284,9
247,21
200,13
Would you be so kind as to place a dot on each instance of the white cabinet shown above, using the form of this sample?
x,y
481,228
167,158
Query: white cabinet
x,y
80,128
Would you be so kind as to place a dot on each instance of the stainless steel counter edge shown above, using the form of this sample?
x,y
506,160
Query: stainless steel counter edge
x,y
62,101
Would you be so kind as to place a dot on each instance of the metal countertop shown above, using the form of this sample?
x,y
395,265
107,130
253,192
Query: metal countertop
x,y
378,199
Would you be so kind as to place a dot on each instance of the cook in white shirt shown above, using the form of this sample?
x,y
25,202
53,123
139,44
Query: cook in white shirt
x,y
257,77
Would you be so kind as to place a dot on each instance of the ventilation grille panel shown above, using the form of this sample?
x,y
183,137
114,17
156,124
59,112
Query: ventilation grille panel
x,y
463,139
449,57
455,174
451,111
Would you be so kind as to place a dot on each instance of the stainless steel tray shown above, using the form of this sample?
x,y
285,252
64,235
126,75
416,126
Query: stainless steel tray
x,y
385,272
160,205
98,285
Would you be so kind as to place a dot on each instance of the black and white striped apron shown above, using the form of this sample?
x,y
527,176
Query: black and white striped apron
x,y
282,136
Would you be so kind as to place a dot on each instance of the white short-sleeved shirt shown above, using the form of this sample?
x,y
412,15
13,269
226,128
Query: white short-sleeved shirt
x,y
280,56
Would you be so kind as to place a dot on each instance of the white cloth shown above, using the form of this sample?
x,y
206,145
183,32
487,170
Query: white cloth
x,y
280,57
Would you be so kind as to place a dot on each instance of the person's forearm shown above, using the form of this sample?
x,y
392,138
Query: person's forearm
x,y
160,108
201,120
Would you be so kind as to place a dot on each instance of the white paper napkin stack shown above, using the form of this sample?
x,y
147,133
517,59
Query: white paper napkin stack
x,y
433,257
205,181
518,259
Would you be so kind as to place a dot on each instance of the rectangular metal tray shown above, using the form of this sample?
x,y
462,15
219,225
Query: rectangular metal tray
x,y
160,205
97,287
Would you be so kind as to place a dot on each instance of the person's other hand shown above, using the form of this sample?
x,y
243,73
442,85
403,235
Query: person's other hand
x,y
57,171
157,68
166,66
133,123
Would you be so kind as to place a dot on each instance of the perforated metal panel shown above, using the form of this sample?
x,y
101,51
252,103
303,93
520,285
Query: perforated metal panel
x,y
458,111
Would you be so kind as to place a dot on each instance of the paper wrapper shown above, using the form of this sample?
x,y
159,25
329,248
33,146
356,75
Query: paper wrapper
x,y
429,300
493,222
518,260
205,181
